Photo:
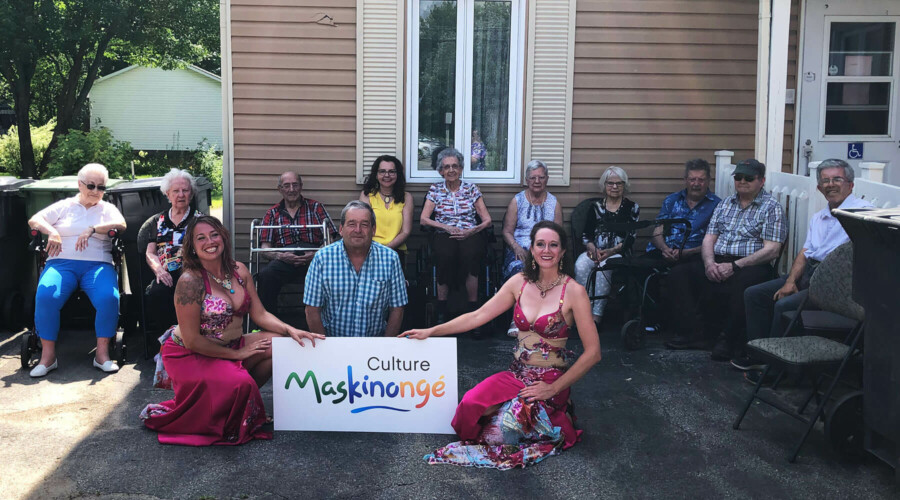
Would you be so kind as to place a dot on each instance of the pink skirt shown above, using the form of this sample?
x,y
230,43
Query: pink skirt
x,y
502,387
216,401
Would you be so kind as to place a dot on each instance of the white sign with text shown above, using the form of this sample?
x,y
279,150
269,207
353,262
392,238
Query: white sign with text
x,y
365,385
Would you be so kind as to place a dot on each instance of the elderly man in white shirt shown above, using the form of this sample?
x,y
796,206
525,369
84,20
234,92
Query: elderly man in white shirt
x,y
765,303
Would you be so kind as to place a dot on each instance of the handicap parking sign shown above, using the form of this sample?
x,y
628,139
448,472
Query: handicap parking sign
x,y
854,151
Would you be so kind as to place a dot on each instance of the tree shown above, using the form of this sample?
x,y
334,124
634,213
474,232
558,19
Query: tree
x,y
75,39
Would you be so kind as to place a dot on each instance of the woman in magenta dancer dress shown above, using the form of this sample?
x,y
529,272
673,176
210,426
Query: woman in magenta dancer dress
x,y
215,371
522,415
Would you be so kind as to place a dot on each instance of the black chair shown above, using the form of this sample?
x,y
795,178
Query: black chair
x,y
78,309
816,357
426,271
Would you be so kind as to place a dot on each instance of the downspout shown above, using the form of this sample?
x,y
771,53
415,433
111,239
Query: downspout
x,y
227,119
762,78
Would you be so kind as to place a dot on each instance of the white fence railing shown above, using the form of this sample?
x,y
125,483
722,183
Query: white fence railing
x,y
800,199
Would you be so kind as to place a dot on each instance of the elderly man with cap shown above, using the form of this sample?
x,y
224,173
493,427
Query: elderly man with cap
x,y
766,302
744,236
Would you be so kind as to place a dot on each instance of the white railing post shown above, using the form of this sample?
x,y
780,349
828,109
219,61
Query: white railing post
x,y
813,168
872,170
724,169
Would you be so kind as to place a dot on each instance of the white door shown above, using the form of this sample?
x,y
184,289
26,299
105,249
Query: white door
x,y
850,79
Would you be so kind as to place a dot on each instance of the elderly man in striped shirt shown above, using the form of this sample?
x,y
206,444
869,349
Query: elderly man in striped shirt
x,y
353,284
744,236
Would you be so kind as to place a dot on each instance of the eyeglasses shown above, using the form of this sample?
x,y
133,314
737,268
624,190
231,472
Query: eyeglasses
x,y
744,177
92,186
536,178
292,185
454,166
614,184
837,181
387,172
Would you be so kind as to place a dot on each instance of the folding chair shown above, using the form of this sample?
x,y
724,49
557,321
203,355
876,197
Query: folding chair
x,y
829,290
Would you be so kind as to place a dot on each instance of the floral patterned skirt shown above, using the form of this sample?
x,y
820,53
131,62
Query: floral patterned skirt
x,y
519,433
216,401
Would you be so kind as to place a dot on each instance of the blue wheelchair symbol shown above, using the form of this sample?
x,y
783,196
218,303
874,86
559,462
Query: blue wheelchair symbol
x,y
854,151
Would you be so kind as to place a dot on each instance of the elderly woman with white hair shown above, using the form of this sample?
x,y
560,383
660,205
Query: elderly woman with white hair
x,y
163,252
601,243
79,255
458,243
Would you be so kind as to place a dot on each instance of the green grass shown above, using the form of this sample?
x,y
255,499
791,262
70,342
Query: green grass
x,y
216,202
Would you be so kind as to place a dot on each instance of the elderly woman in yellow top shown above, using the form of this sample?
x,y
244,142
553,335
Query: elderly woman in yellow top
x,y
79,254
385,192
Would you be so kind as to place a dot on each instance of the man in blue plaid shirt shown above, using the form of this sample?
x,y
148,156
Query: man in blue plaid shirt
x,y
353,283
744,236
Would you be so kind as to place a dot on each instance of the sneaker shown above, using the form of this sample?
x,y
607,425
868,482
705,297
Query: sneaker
x,y
745,363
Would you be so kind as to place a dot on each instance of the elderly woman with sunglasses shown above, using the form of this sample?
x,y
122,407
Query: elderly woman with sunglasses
x,y
459,243
601,243
79,255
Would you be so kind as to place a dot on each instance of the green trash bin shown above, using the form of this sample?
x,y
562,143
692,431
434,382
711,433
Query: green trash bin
x,y
13,248
43,193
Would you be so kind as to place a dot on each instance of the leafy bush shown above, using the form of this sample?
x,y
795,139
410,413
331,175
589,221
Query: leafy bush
x,y
10,155
77,148
208,163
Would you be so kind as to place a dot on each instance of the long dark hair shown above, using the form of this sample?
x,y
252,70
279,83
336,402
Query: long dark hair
x,y
531,270
371,185
188,252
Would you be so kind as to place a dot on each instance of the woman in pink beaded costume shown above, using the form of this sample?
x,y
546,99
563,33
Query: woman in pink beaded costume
x,y
216,371
522,415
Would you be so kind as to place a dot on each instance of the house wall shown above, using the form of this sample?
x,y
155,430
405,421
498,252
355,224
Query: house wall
x,y
154,109
656,82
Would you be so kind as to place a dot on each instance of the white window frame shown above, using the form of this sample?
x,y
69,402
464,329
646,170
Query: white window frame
x,y
465,15
892,80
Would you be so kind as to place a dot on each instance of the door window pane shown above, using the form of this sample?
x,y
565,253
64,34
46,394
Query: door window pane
x,y
861,49
490,86
437,79
857,108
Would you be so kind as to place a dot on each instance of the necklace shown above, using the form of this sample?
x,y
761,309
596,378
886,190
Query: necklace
x,y
551,286
387,198
226,283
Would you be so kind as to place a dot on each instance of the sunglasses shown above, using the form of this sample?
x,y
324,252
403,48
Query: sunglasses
x,y
744,177
92,186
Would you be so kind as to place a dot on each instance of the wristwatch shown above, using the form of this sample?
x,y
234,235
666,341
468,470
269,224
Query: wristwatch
x,y
735,267
93,229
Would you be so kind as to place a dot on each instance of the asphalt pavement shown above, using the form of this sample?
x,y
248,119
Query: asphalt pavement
x,y
657,425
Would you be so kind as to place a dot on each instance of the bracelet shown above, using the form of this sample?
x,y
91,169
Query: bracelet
x,y
735,267
93,229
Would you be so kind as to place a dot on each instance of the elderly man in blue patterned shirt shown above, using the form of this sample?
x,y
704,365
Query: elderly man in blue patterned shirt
x,y
351,284
744,236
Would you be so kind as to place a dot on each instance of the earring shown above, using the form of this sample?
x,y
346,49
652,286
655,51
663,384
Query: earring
x,y
560,265
533,265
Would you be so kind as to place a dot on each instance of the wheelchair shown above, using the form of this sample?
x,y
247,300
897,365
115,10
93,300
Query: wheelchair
x,y
424,287
633,278
78,308
256,249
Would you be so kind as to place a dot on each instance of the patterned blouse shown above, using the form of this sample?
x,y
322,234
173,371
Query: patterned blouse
x,y
454,209
169,238
594,231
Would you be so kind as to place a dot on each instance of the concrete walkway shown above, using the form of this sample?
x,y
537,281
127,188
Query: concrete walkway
x,y
657,424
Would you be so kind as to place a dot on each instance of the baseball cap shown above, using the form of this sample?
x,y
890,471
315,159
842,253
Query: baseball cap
x,y
750,167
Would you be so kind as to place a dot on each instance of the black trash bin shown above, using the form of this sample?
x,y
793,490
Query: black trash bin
x,y
13,247
876,282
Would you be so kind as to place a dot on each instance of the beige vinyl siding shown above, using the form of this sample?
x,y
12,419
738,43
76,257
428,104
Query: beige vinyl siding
x,y
294,87
656,82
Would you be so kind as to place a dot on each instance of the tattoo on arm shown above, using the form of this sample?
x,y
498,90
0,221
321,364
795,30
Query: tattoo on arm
x,y
189,291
